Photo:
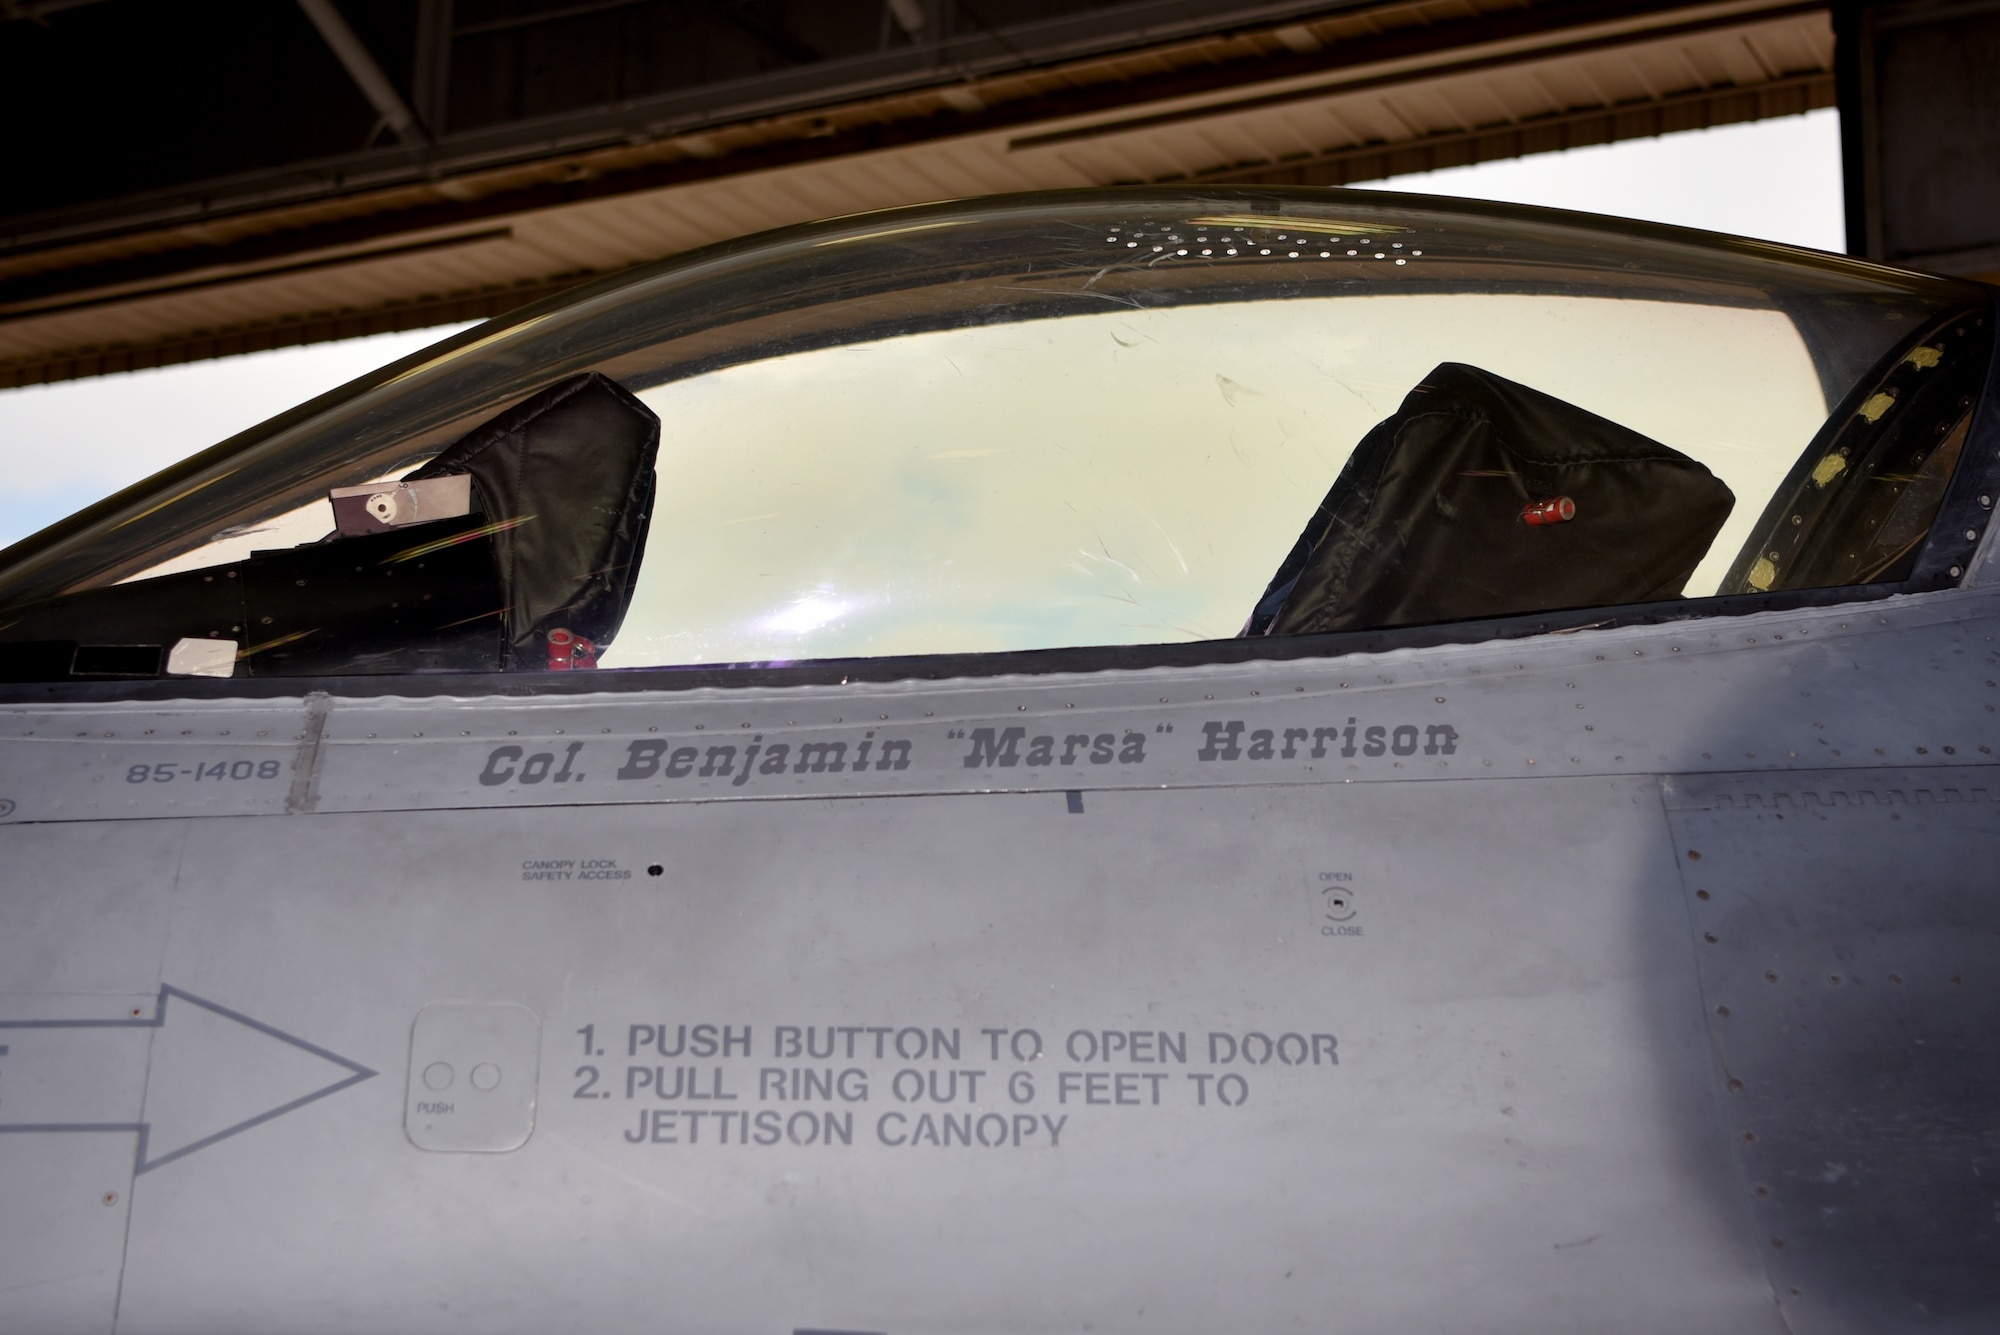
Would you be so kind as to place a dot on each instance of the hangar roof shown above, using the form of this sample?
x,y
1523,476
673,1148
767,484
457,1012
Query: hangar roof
x,y
490,173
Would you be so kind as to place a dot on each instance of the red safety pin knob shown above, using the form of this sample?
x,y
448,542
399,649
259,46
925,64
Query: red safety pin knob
x,y
570,652
1557,510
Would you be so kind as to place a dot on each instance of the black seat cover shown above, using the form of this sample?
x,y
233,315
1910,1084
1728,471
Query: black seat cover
x,y
571,469
1424,523
563,483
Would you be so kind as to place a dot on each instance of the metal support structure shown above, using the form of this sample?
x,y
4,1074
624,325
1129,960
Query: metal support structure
x,y
1920,113
431,82
367,75
509,177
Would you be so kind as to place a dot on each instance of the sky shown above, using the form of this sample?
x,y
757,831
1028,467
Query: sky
x,y
65,445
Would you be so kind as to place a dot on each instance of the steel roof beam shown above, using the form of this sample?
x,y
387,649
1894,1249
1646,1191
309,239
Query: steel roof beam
x,y
354,57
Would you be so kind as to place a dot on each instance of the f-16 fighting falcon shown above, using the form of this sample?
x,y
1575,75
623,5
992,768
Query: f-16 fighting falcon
x,y
1136,760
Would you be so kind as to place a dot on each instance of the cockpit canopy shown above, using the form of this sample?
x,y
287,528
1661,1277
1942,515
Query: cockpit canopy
x,y
1109,418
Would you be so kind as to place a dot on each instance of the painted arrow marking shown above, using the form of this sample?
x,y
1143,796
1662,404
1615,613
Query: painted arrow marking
x,y
235,1034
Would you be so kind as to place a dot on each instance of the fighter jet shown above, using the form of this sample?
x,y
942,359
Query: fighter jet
x,y
1141,760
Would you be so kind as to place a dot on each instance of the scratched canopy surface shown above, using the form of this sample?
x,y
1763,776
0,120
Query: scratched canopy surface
x,y
1102,418
1131,477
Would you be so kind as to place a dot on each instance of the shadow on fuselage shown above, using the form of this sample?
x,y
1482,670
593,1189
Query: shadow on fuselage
x,y
1846,932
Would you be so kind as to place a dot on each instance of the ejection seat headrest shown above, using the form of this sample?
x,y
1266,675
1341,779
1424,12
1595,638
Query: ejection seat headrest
x,y
1480,498
565,480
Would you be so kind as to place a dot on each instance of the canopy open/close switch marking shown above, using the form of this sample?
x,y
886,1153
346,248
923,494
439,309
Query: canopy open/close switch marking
x,y
491,1108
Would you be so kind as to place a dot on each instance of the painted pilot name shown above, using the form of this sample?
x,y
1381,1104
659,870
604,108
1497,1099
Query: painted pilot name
x,y
1003,747
747,760
1229,740
652,756
513,764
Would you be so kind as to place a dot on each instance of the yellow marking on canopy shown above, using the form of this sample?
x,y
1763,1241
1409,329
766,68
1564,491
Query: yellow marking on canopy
x,y
1872,410
1762,575
1924,358
1829,468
